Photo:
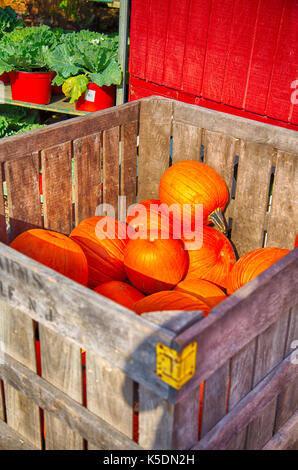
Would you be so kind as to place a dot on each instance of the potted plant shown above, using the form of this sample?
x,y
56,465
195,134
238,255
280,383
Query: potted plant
x,y
23,54
8,22
86,64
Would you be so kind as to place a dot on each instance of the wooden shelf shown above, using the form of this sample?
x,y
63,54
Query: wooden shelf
x,y
59,103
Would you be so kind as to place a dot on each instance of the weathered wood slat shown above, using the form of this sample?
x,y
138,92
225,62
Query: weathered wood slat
x,y
251,406
17,340
57,188
3,232
22,180
129,152
61,366
287,436
187,141
154,146
52,400
111,169
10,440
239,319
87,176
67,131
282,224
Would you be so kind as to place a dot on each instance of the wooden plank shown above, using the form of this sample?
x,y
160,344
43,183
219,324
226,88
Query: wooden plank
x,y
235,126
251,406
287,437
215,398
154,146
282,223
76,312
269,352
61,366
250,205
187,141
10,440
111,183
87,174
57,188
3,232
231,327
52,400
109,394
166,426
56,134
17,339
22,180
129,164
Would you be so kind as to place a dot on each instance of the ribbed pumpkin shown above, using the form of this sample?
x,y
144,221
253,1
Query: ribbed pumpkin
x,y
153,265
148,217
214,260
170,300
103,247
121,292
202,289
193,182
251,265
54,250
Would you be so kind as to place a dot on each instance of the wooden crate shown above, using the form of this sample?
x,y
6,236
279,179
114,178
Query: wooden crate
x,y
245,373
240,56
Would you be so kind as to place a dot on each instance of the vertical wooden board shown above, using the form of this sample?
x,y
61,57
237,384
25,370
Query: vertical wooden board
x,y
22,180
156,40
61,365
87,173
241,43
17,339
270,352
3,232
282,223
163,426
111,180
138,37
57,188
215,398
154,146
250,205
187,141
177,26
129,156
217,50
263,54
284,72
195,46
109,395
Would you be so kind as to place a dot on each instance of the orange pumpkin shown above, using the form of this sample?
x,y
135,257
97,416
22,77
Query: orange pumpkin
x,y
251,265
214,260
103,240
170,300
202,289
148,217
54,250
121,292
192,182
153,265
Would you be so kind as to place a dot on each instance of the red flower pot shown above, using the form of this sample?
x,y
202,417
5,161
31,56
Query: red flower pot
x,y
31,87
96,98
4,77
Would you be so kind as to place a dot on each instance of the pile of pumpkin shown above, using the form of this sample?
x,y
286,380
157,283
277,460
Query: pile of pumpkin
x,y
135,265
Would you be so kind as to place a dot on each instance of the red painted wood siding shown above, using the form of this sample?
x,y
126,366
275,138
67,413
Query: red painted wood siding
x,y
237,55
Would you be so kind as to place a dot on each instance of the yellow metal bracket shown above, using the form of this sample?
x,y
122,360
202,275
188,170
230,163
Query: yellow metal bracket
x,y
173,368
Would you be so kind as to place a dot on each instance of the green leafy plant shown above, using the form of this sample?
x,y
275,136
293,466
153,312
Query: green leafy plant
x,y
9,20
15,120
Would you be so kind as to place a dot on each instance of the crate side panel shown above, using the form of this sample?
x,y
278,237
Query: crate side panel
x,y
17,338
87,176
61,365
187,141
282,218
129,161
154,146
57,188
111,177
3,205
109,395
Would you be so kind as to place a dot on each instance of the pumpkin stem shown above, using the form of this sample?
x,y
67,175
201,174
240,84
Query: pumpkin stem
x,y
217,218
